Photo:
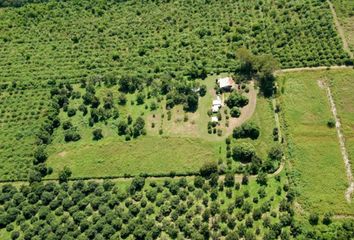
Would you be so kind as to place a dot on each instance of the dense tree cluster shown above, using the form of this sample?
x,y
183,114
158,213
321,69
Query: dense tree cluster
x,y
236,99
247,130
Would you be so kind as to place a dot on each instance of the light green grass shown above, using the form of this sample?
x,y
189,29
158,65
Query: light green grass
x,y
342,85
151,154
264,118
315,153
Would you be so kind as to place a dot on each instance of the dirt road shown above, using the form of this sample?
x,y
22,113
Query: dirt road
x,y
246,112
350,189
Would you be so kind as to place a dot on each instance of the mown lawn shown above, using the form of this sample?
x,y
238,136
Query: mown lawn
x,y
313,147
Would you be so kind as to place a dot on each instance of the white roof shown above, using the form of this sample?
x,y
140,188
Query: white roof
x,y
225,82
217,102
214,119
215,108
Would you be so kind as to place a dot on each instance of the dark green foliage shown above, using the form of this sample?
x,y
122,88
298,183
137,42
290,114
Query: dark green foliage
x,y
71,112
202,90
191,104
67,125
236,100
64,174
229,180
71,135
247,130
313,218
244,152
137,184
208,169
235,112
331,123
140,97
262,178
122,127
327,218
276,153
97,134
40,155
139,127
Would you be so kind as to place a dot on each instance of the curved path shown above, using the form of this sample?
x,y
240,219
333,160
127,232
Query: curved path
x,y
247,111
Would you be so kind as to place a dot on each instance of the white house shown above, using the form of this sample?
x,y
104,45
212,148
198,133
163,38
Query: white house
x,y
225,83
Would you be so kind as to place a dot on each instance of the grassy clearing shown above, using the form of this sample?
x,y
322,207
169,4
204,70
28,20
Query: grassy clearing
x,y
315,154
113,157
184,145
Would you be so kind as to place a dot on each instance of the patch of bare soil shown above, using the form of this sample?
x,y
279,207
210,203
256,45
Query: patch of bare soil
x,y
62,154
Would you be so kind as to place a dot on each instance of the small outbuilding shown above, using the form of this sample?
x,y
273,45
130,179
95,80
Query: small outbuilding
x,y
216,105
214,119
225,83
215,108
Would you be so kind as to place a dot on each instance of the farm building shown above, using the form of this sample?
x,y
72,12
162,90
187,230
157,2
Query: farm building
x,y
225,83
214,119
216,105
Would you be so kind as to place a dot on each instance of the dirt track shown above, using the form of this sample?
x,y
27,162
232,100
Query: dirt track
x,y
312,69
350,189
246,112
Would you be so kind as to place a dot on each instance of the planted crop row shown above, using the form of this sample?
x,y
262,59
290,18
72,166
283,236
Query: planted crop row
x,y
69,41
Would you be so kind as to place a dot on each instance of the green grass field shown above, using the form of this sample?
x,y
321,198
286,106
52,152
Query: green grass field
x,y
314,148
115,157
342,86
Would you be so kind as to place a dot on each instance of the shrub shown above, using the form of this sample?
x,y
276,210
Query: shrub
x,y
313,219
67,125
235,112
208,168
122,128
97,134
327,219
122,99
247,130
71,112
236,100
276,153
229,180
40,155
331,123
244,152
71,135
64,174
